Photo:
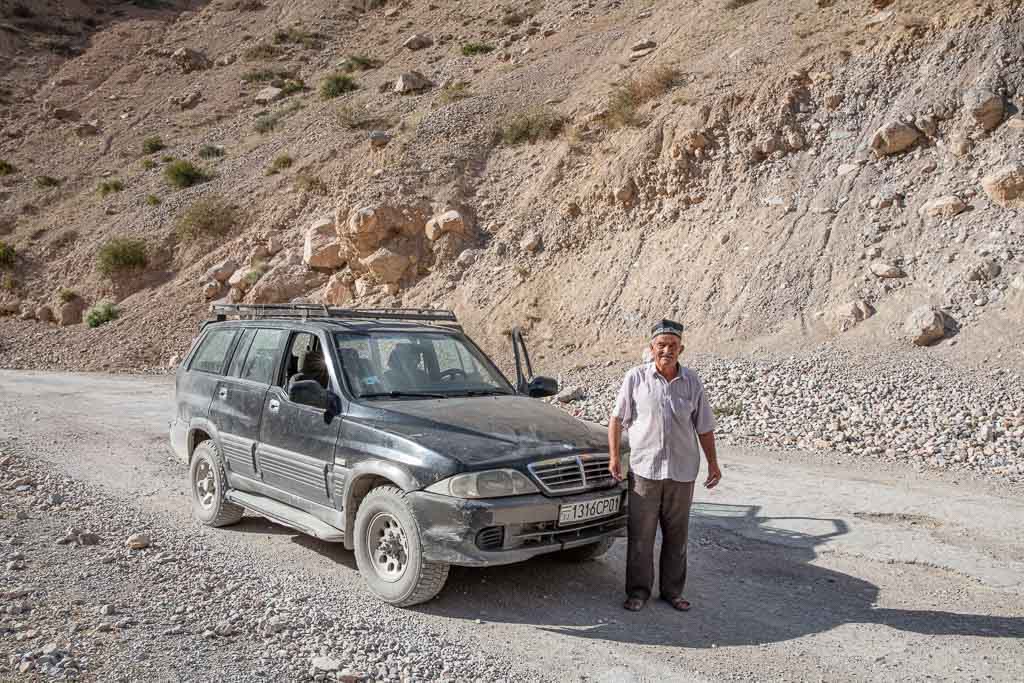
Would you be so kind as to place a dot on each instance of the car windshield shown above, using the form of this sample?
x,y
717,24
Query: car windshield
x,y
416,365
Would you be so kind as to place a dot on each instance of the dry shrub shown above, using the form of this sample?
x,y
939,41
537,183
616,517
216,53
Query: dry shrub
x,y
627,98
209,217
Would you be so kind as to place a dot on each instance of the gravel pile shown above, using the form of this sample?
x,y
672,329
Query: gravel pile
x,y
93,589
906,408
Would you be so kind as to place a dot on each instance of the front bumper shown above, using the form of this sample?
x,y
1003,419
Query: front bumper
x,y
480,533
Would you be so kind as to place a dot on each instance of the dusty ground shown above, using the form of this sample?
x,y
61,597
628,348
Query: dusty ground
x,y
802,568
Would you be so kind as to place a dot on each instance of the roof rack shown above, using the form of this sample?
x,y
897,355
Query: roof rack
x,y
321,311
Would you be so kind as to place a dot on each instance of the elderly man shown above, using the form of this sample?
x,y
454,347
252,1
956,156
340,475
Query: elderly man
x,y
666,412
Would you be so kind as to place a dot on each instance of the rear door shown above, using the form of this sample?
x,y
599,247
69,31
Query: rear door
x,y
297,442
238,403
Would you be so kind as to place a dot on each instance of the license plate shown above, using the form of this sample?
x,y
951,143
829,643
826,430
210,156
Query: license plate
x,y
574,513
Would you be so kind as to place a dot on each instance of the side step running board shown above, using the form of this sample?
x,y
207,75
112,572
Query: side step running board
x,y
286,515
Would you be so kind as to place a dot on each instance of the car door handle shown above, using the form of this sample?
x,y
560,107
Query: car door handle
x,y
274,405
223,393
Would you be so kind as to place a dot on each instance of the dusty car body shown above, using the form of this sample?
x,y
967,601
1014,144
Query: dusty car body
x,y
391,432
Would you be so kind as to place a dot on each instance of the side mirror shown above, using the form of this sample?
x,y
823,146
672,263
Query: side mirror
x,y
308,392
541,386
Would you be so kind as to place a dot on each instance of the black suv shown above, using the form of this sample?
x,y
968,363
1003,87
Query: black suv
x,y
389,431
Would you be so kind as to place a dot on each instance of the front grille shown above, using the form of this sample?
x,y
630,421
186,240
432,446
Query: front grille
x,y
491,538
572,474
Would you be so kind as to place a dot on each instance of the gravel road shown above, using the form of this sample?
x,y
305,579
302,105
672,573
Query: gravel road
x,y
802,567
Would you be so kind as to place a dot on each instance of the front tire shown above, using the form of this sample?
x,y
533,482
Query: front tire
x,y
389,551
208,485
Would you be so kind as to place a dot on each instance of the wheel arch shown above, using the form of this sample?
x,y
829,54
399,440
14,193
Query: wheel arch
x,y
363,479
198,432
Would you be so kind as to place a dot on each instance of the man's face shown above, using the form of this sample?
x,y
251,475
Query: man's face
x,y
665,350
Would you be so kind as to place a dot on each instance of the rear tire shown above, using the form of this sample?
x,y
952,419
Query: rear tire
x,y
389,551
585,553
208,485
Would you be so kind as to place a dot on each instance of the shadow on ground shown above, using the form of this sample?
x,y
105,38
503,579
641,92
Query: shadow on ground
x,y
751,582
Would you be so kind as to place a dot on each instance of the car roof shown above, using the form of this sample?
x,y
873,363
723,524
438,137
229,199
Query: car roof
x,y
348,325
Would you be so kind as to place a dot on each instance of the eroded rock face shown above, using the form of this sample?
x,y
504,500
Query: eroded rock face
x,y
451,221
322,249
849,314
387,266
222,270
339,289
283,283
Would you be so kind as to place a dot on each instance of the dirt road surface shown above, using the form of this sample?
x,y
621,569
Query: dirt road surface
x,y
800,568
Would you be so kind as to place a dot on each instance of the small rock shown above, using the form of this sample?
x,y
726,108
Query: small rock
x,y
418,41
88,538
379,138
108,610
570,394
883,269
925,325
893,138
985,107
411,81
326,664
189,60
531,242
1005,185
138,541
268,95
942,207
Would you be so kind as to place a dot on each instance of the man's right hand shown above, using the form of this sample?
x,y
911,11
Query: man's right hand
x,y
614,466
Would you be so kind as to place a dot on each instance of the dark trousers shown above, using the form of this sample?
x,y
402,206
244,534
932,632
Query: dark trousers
x,y
653,503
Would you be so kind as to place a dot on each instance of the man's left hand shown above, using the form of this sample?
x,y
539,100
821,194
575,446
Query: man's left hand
x,y
714,476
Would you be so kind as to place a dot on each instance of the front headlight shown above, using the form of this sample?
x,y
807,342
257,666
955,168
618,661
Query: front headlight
x,y
489,484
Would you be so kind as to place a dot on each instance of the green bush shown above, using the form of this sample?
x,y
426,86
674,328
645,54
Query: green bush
x,y
7,168
268,121
298,36
182,174
531,125
119,254
152,145
210,152
7,255
167,158
262,51
66,295
359,63
337,84
101,313
109,186
208,217
152,200
8,283
148,164
626,99
453,92
471,49
311,184
45,181
280,163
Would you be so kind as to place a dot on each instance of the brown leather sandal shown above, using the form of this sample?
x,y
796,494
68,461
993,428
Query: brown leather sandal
x,y
634,604
679,603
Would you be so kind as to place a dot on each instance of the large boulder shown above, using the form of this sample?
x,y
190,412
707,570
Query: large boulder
x,y
367,228
283,283
985,107
449,222
1005,185
71,312
322,249
411,81
222,270
339,290
387,265
893,138
189,60
925,325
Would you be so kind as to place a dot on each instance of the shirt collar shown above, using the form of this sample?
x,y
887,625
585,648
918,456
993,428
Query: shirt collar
x,y
655,374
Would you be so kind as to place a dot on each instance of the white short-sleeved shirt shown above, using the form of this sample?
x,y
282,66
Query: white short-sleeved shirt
x,y
664,419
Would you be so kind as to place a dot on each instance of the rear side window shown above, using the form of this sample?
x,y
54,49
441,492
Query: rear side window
x,y
262,357
235,369
213,351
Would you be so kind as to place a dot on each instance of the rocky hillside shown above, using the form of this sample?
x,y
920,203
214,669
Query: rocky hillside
x,y
777,174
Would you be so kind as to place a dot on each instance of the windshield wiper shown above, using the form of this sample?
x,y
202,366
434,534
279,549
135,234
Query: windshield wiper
x,y
481,392
401,394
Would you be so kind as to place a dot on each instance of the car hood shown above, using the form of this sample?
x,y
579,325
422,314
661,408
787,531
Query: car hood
x,y
488,430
